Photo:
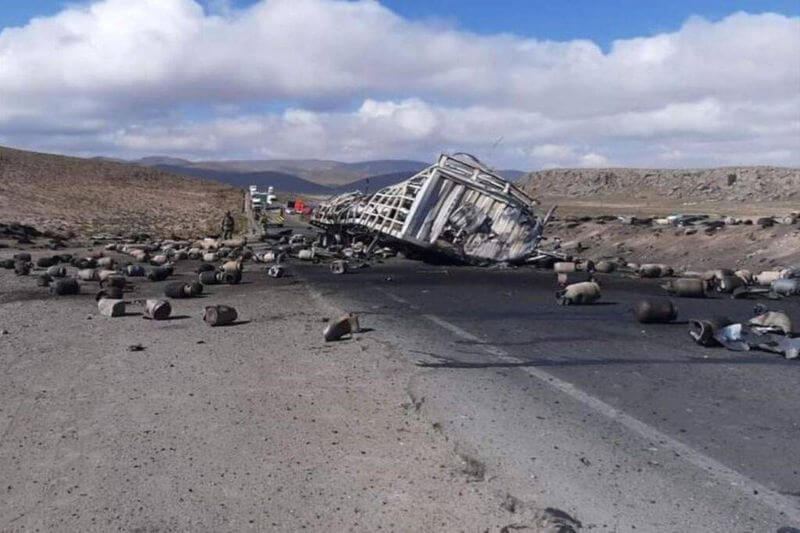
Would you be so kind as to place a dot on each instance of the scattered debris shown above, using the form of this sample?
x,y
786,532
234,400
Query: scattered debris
x,y
558,521
770,331
511,504
275,271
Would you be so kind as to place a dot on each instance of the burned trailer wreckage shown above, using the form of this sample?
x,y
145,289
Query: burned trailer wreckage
x,y
457,210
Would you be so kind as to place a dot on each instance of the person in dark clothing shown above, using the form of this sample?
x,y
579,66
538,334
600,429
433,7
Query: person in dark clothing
x,y
227,226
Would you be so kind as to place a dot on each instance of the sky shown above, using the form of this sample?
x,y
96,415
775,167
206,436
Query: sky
x,y
520,83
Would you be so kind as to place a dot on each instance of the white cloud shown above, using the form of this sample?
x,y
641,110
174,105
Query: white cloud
x,y
364,82
592,160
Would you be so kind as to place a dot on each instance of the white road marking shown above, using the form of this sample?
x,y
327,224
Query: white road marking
x,y
720,472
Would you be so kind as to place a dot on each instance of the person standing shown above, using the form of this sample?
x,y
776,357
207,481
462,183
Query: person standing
x,y
227,226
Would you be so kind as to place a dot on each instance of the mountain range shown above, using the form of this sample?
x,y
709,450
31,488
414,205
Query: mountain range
x,y
305,176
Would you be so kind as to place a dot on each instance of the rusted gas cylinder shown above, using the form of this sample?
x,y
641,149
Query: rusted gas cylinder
x,y
46,262
63,287
135,271
159,260
219,315
103,274
579,293
57,271
786,287
84,262
655,310
728,284
111,307
179,289
339,267
114,281
338,328
767,277
232,266
564,279
87,274
605,267
208,277
159,273
205,267
229,278
717,273
704,331
157,309
105,262
114,293
744,275
654,270
686,287
22,268
564,267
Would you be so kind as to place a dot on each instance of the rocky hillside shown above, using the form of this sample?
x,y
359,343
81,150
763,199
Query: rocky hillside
x,y
729,184
86,196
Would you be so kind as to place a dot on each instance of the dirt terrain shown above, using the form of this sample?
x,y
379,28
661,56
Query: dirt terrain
x,y
684,248
86,196
734,190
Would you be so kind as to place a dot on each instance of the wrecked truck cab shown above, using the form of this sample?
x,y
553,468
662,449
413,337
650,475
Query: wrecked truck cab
x,y
456,209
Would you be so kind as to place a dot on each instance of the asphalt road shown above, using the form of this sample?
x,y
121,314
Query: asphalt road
x,y
631,427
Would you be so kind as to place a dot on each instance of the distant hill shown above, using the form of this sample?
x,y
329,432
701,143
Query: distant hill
x,y
319,171
280,180
373,183
85,196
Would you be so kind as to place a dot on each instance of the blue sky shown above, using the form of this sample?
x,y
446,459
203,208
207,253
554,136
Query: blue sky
x,y
600,21
687,84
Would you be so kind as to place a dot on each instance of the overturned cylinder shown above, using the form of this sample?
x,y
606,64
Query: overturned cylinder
x,y
57,271
208,277
219,315
63,287
786,287
157,309
339,267
159,274
655,310
111,307
654,270
344,325
563,267
579,293
686,287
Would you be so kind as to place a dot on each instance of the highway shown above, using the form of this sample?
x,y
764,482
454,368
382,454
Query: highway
x,y
631,427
